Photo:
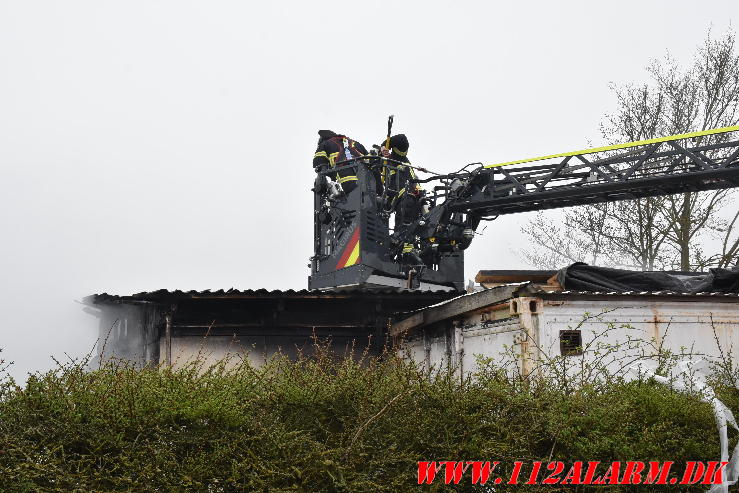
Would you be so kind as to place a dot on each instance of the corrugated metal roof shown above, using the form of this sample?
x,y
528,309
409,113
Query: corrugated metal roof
x,y
166,295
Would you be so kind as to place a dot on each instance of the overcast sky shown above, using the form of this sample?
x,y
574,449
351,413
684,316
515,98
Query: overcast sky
x,y
168,144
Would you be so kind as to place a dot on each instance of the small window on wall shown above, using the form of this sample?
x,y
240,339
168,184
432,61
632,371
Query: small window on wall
x,y
570,342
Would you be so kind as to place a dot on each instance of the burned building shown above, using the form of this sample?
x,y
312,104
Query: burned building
x,y
539,313
175,326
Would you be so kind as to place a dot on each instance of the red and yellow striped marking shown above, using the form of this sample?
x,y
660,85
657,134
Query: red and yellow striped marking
x,y
351,252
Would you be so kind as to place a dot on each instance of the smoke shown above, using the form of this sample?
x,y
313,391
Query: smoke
x,y
42,323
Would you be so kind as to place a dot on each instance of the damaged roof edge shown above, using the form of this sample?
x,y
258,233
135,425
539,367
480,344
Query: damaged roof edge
x,y
509,276
454,307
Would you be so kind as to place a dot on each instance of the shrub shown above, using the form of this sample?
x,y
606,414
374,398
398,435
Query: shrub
x,y
321,424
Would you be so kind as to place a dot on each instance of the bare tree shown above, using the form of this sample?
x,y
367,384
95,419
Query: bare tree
x,y
660,232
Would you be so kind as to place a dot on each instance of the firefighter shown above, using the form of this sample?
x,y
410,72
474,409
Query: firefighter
x,y
403,195
334,148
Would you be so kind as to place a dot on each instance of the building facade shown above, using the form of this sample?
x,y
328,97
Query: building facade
x,y
524,326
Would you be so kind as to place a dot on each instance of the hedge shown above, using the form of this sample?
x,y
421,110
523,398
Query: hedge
x,y
323,423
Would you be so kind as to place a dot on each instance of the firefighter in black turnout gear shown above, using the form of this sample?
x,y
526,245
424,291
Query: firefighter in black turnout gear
x,y
403,195
334,148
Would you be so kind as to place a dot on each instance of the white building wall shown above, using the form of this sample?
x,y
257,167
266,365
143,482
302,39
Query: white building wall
x,y
257,349
489,340
426,348
214,349
414,350
529,332
704,329
462,344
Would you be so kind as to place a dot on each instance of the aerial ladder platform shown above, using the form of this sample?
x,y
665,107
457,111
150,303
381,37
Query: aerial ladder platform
x,y
355,248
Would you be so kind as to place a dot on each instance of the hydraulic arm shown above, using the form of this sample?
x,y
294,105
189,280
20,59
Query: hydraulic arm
x,y
354,246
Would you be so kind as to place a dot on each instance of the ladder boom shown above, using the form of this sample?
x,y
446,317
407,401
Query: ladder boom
x,y
662,168
356,248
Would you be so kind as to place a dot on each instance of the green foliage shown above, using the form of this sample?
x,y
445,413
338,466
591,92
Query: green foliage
x,y
321,424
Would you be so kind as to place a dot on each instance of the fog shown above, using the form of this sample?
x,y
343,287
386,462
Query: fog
x,y
167,144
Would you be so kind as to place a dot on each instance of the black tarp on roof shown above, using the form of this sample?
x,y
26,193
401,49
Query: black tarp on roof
x,y
583,277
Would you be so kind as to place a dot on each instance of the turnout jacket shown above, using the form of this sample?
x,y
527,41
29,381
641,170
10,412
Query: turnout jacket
x,y
332,151
398,182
